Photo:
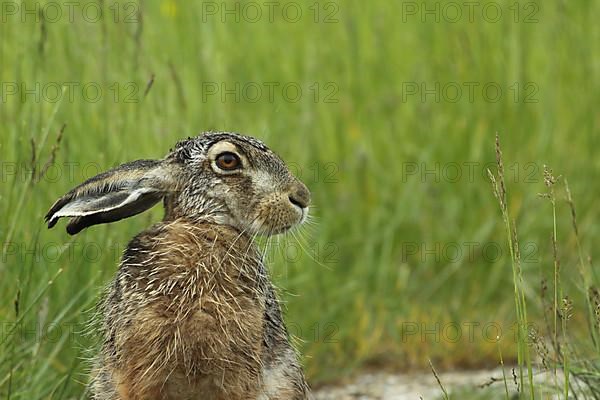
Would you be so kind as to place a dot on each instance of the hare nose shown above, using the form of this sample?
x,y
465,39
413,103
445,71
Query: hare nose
x,y
299,196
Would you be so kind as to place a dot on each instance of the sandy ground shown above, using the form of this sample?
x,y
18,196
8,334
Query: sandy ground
x,y
385,386
382,386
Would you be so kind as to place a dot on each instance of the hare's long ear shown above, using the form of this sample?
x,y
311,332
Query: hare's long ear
x,y
113,195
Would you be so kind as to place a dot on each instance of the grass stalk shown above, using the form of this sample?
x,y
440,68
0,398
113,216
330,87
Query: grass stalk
x,y
523,354
439,381
504,378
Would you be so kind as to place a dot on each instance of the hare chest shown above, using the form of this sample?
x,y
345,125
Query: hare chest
x,y
189,321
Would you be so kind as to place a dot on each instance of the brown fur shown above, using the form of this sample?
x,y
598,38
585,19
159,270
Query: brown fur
x,y
184,318
192,313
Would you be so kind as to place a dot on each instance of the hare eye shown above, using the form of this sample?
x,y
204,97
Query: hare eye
x,y
228,161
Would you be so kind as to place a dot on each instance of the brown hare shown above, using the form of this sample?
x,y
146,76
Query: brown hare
x,y
192,313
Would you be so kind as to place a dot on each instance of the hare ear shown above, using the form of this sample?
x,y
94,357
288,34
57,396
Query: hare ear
x,y
119,193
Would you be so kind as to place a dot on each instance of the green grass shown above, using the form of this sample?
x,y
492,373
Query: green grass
x,y
550,360
378,263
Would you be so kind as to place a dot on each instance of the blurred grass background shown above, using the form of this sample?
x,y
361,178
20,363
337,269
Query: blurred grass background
x,y
380,162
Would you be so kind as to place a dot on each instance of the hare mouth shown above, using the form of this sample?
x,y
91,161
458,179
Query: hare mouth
x,y
279,229
267,227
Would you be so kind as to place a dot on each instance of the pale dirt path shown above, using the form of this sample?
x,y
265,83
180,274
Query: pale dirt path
x,y
386,386
383,386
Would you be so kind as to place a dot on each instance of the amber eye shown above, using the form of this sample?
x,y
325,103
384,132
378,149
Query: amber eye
x,y
228,161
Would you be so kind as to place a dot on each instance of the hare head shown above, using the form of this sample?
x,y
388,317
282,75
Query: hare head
x,y
221,178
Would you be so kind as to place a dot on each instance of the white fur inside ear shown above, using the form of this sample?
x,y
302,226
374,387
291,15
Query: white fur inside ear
x,y
89,205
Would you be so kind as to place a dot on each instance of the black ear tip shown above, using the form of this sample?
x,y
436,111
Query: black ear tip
x,y
72,231
49,215
76,225
51,222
